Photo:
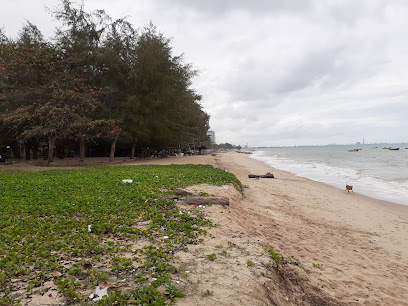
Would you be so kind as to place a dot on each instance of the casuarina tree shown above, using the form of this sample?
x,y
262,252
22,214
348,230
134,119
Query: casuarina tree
x,y
42,98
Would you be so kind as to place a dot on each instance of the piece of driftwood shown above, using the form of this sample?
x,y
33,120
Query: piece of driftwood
x,y
185,192
204,200
267,175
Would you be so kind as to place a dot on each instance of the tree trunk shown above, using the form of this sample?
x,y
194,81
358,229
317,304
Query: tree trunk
x,y
51,145
132,151
145,152
15,148
82,148
60,150
112,151
28,145
35,149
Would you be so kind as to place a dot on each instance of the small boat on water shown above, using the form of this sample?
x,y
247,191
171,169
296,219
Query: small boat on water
x,y
393,149
354,150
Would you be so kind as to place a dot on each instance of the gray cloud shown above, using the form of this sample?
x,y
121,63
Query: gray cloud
x,y
279,72
226,6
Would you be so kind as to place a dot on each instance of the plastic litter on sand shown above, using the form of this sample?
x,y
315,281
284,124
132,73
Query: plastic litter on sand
x,y
100,293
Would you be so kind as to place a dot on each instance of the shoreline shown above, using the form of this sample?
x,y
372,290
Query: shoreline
x,y
393,205
373,191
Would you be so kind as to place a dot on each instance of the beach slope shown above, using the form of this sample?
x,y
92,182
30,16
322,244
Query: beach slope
x,y
354,249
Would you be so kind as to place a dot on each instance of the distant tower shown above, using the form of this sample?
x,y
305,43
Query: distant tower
x,y
211,134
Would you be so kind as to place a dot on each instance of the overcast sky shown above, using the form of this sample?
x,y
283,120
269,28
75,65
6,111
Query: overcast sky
x,y
277,72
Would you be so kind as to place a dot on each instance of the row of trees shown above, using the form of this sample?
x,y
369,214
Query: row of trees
x,y
226,146
99,80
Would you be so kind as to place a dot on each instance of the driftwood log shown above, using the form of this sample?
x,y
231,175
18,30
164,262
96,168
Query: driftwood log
x,y
204,200
267,175
185,192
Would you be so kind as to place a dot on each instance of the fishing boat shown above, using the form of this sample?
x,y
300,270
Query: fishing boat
x,y
394,149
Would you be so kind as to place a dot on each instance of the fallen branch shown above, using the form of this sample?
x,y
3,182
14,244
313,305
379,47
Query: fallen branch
x,y
267,175
203,200
185,192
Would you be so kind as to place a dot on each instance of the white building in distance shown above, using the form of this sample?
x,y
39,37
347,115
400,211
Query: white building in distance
x,y
211,134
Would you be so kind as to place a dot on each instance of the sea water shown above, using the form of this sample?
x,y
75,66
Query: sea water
x,y
374,171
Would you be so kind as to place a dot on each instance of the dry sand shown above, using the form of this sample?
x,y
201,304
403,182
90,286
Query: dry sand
x,y
354,249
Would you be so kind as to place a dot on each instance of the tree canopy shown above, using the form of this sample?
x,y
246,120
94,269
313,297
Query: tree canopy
x,y
100,79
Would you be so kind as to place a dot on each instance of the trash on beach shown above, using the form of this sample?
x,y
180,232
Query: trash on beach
x,y
127,181
224,187
100,293
165,237
90,228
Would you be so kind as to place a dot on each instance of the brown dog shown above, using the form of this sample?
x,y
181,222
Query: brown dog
x,y
348,188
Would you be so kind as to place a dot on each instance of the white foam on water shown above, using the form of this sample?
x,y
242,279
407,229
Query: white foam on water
x,y
374,186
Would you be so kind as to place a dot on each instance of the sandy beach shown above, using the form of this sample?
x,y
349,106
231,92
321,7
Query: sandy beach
x,y
354,248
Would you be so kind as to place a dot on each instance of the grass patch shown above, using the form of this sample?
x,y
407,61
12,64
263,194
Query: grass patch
x,y
278,261
44,230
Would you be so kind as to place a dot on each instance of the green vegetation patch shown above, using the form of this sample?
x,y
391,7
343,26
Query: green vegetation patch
x,y
81,228
278,261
